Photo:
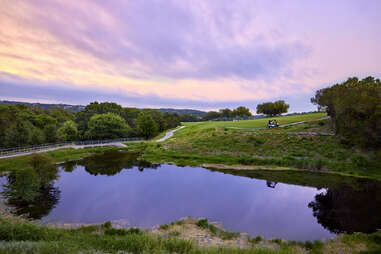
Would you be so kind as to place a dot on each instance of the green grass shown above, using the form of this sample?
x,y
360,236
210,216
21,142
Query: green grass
x,y
19,236
212,142
257,123
25,237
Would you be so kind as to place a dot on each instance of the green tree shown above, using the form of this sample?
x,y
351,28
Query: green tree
x,y
50,131
211,115
146,126
157,116
226,112
241,111
37,136
83,117
188,118
43,120
272,108
68,131
109,125
355,109
18,134
171,120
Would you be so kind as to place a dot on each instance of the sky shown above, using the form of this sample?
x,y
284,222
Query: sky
x,y
185,54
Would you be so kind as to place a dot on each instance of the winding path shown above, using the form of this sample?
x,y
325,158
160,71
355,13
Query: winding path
x,y
169,134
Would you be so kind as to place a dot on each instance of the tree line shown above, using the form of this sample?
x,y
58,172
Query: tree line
x,y
268,108
22,125
355,109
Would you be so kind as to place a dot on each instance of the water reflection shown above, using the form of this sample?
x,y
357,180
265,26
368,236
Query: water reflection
x,y
31,192
346,210
271,184
110,163
295,207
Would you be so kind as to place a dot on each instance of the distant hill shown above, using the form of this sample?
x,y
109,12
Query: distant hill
x,y
74,108
77,108
194,112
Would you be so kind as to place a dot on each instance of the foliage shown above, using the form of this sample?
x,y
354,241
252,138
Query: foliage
x,y
68,131
226,113
211,115
146,126
164,227
107,126
130,115
272,108
189,118
22,125
241,111
355,109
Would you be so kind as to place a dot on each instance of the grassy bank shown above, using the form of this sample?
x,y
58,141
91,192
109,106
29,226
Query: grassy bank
x,y
308,146
19,236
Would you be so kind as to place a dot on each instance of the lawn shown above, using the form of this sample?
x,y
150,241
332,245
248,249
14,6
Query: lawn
x,y
257,123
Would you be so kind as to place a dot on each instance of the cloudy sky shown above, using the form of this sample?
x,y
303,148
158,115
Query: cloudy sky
x,y
184,54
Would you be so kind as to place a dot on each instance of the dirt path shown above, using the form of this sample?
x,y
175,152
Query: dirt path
x,y
118,144
169,134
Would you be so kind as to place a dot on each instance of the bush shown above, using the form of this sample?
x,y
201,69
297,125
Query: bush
x,y
203,223
122,232
107,225
164,227
255,240
359,161
115,231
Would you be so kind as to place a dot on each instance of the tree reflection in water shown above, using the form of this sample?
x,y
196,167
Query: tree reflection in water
x,y
346,210
111,163
31,192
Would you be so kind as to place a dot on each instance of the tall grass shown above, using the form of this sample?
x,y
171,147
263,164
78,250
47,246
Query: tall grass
x,y
18,237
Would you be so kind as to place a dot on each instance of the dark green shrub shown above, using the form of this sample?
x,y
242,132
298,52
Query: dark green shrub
x,y
174,234
226,235
276,240
255,240
107,225
134,231
164,227
203,223
359,161
116,231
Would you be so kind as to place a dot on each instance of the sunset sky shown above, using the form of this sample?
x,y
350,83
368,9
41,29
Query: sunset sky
x,y
184,54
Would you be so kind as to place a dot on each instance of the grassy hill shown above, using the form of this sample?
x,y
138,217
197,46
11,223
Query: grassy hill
x,y
257,123
306,146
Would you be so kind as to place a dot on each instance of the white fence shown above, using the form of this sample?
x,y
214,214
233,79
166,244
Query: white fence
x,y
27,149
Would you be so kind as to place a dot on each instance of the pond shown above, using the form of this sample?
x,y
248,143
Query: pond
x,y
116,187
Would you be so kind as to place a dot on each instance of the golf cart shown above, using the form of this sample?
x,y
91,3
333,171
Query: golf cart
x,y
272,124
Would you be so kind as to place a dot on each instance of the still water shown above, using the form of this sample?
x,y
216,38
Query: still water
x,y
116,187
